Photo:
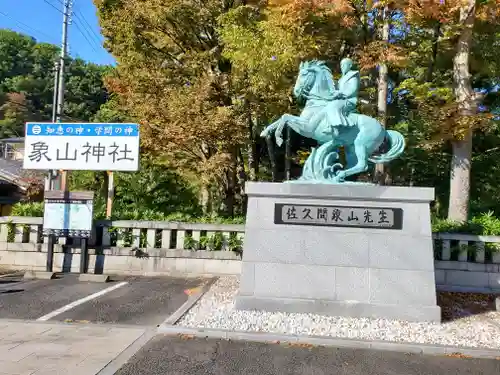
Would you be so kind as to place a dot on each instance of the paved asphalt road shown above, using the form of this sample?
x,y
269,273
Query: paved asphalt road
x,y
165,355
140,301
32,299
143,301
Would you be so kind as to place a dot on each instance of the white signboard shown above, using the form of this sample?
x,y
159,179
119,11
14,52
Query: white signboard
x,y
85,146
68,218
68,214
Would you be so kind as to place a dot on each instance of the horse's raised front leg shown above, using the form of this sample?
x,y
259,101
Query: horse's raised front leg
x,y
296,123
269,129
361,163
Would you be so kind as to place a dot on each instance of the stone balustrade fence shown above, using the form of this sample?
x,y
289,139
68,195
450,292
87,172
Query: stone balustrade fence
x,y
463,260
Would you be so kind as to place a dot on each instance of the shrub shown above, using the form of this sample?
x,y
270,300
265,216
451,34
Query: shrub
x,y
485,224
34,209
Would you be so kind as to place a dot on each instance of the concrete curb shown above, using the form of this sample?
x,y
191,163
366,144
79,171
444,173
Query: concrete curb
x,y
264,337
15,273
76,324
186,306
93,278
121,359
39,275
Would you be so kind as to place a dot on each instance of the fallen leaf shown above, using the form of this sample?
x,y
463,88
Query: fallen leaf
x,y
192,291
458,355
300,345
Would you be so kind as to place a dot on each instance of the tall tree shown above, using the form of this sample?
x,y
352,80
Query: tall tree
x,y
27,69
14,112
172,76
456,20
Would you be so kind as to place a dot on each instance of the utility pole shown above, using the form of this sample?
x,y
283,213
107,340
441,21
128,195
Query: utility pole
x,y
50,175
59,105
57,112
62,60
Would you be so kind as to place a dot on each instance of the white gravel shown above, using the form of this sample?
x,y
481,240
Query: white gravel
x,y
216,310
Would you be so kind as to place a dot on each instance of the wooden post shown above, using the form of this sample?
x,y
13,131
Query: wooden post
x,y
111,194
64,181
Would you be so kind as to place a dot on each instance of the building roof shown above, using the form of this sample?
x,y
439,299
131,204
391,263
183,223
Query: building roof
x,y
11,171
12,140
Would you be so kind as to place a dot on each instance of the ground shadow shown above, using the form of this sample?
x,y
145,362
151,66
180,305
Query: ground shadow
x,y
455,305
10,291
67,261
8,281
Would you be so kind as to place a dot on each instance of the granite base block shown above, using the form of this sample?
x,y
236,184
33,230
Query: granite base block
x,y
332,267
340,308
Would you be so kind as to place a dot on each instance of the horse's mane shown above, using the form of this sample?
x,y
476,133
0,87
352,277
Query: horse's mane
x,y
315,64
327,85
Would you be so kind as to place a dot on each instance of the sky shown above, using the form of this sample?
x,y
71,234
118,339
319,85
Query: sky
x,y
42,19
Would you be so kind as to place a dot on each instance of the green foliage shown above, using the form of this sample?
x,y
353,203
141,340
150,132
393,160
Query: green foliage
x,y
215,242
27,79
33,209
152,193
485,224
111,111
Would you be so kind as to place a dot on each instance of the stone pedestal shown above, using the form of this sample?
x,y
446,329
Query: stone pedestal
x,y
340,250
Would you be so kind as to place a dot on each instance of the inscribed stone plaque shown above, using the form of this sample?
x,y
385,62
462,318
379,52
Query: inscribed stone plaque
x,y
338,216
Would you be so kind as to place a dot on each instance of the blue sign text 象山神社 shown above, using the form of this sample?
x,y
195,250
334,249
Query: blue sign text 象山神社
x,y
81,146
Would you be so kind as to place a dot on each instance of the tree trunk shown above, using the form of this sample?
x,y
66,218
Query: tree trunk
x,y
288,154
241,179
229,191
272,158
205,199
458,208
383,84
252,161
252,147
432,62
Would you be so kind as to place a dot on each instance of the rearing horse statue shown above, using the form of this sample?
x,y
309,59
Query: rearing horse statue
x,y
329,117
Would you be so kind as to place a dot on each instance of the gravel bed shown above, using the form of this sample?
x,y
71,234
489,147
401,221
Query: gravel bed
x,y
216,310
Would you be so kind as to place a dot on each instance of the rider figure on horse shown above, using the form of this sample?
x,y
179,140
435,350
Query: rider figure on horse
x,y
328,118
345,99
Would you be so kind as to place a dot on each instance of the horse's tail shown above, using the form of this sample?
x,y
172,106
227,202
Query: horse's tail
x,y
397,142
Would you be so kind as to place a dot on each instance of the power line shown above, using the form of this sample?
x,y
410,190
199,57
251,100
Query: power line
x,y
86,26
87,39
52,5
81,18
80,15
26,27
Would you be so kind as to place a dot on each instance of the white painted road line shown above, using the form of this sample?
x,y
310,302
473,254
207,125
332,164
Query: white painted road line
x,y
80,301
